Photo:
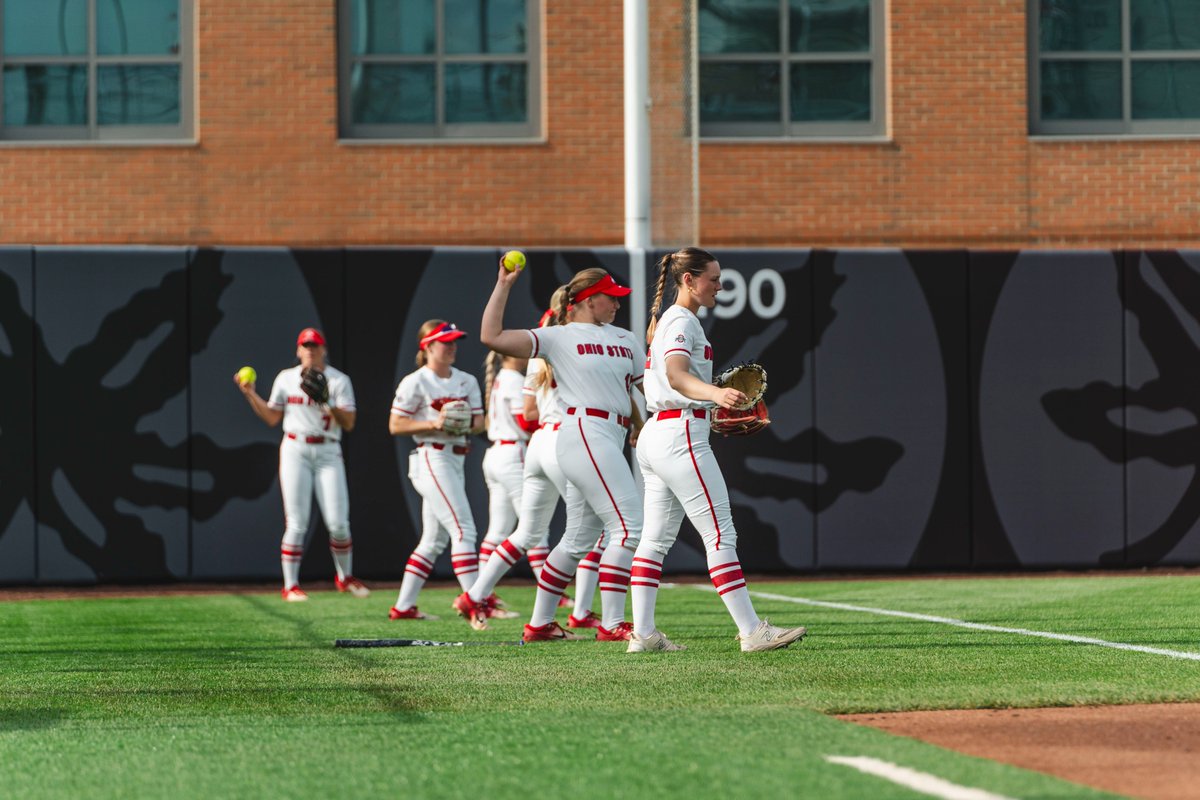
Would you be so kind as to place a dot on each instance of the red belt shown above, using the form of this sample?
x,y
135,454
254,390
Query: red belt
x,y
308,439
676,413
551,425
458,449
595,412
505,441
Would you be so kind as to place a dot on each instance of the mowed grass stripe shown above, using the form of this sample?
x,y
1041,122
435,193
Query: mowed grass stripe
x,y
977,626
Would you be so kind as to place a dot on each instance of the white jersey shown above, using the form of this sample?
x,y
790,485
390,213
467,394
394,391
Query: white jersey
x,y
595,365
678,334
422,394
548,403
505,402
302,416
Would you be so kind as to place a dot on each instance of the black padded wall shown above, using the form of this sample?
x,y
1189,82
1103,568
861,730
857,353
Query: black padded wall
x,y
18,499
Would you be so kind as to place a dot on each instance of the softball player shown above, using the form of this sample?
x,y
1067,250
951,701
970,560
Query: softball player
x,y
681,472
435,465
595,365
543,484
310,461
504,462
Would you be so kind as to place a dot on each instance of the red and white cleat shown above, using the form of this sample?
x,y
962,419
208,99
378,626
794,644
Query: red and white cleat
x,y
550,632
620,633
352,585
472,612
409,613
590,621
294,595
565,601
495,608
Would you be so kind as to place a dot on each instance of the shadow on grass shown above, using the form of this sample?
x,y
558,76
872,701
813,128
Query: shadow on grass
x,y
392,699
30,719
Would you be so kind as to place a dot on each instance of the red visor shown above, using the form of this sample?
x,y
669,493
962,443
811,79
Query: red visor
x,y
446,332
605,285
310,336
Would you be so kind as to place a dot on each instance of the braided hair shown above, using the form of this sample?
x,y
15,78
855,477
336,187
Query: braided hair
x,y
546,376
691,260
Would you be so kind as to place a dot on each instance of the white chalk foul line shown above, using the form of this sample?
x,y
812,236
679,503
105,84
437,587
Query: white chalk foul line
x,y
921,782
976,626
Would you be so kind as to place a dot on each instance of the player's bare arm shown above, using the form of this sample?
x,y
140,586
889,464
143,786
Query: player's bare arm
x,y
491,329
530,411
688,385
344,418
407,426
478,425
269,415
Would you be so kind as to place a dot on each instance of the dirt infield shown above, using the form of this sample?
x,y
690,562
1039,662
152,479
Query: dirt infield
x,y
1150,751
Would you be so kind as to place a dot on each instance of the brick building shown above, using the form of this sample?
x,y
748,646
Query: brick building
x,y
862,123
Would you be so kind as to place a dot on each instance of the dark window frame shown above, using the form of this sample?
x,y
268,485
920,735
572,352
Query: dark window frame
x,y
1126,56
440,130
93,131
785,128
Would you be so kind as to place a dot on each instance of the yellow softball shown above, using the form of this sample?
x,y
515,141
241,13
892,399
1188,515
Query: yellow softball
x,y
514,259
247,375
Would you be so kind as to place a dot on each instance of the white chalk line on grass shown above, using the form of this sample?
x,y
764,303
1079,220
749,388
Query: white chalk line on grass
x,y
975,626
921,782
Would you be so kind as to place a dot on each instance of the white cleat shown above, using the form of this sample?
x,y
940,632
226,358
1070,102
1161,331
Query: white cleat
x,y
656,641
769,637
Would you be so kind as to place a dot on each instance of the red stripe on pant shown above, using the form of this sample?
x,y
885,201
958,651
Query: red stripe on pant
x,y
453,513
687,427
485,551
646,573
339,546
552,580
727,577
604,483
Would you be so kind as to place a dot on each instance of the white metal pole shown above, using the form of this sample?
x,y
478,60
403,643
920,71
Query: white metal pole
x,y
637,153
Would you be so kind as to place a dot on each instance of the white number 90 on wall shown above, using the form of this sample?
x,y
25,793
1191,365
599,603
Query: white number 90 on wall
x,y
765,294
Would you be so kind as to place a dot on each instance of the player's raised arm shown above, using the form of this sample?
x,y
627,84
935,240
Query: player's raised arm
x,y
516,343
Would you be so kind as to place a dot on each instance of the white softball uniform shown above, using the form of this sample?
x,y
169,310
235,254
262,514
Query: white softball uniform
x,y
595,366
310,456
680,469
435,465
543,479
504,462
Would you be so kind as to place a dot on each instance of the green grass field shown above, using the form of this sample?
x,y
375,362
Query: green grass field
x,y
244,696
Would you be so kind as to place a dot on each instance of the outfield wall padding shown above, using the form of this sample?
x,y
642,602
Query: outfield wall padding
x,y
933,410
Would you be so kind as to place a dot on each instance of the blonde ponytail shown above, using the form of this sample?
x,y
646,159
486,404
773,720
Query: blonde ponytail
x,y
490,369
664,267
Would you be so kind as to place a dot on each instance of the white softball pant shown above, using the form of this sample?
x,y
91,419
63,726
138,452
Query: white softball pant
x,y
682,476
307,468
544,483
503,471
589,451
445,513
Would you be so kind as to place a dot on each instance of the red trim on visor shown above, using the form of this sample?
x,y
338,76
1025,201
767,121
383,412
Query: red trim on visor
x,y
446,332
605,285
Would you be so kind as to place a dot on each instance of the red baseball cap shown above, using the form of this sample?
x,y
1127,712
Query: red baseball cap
x,y
310,336
605,285
446,332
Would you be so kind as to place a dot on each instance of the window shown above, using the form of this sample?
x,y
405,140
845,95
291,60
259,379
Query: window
x,y
439,69
95,69
1115,66
791,68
